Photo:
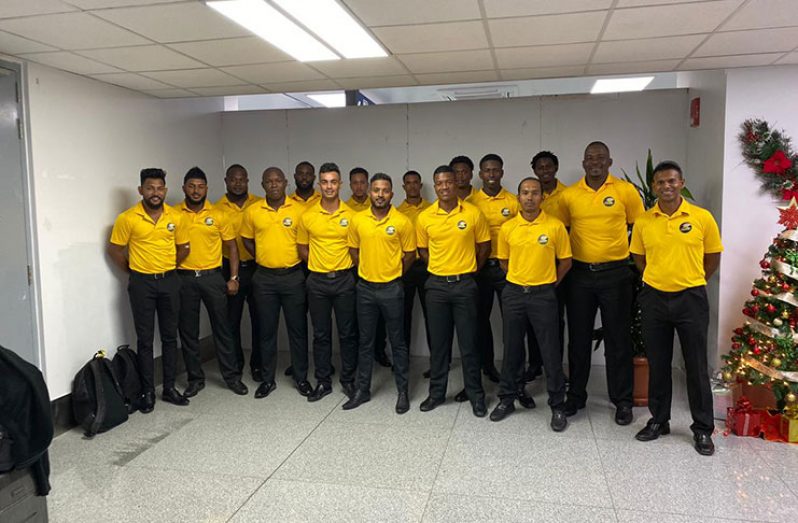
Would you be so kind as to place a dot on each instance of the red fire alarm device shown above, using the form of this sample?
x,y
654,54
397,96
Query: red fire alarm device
x,y
695,112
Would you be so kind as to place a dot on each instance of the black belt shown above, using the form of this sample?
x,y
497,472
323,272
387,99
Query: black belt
x,y
152,276
379,284
332,274
598,267
529,289
280,272
198,273
241,264
492,262
454,278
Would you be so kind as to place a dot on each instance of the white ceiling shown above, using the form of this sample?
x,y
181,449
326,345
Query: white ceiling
x,y
176,48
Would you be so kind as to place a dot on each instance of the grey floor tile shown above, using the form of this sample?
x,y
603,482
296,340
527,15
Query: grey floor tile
x,y
279,500
523,467
455,509
783,459
386,456
634,516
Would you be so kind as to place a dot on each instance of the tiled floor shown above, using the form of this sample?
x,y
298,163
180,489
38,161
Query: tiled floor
x,y
238,459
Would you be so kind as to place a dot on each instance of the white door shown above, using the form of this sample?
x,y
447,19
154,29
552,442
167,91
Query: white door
x,y
16,292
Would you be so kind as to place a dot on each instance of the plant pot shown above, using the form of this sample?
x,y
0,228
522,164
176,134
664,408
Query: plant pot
x,y
640,391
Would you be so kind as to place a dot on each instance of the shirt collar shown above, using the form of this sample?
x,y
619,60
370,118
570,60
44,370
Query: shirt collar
x,y
205,207
287,203
683,209
537,221
391,211
609,181
458,208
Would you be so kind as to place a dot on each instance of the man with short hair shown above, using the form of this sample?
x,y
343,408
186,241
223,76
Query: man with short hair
x,y
201,281
304,178
677,246
599,209
454,239
269,233
382,242
322,244
148,243
463,169
359,185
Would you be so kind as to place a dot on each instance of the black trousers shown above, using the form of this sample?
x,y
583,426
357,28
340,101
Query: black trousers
x,y
535,359
535,307
414,280
149,297
609,291
379,340
275,289
450,306
235,311
211,290
326,295
687,313
386,301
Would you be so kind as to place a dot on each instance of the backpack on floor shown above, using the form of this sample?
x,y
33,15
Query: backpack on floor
x,y
126,368
97,398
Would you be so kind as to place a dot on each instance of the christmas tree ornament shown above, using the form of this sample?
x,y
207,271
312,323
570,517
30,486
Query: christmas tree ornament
x,y
775,362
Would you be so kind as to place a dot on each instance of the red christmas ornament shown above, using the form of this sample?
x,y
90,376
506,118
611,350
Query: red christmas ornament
x,y
785,286
754,292
748,312
739,330
757,351
736,346
770,308
788,216
777,164
751,341
764,264
754,308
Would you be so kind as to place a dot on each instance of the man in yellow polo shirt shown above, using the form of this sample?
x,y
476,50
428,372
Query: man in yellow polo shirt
x,y
201,280
234,203
269,234
322,243
463,169
676,245
535,252
454,238
599,209
382,242
304,178
359,185
147,242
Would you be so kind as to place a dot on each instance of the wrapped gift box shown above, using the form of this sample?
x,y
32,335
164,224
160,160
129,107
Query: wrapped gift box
x,y
743,420
722,400
789,424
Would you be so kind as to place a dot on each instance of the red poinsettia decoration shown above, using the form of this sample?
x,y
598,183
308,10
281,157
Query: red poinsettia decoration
x,y
789,215
777,164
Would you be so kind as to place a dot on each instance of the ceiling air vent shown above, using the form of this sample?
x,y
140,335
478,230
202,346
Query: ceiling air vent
x,y
479,93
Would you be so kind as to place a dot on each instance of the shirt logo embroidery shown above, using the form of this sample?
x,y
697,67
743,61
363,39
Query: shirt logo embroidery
x,y
543,239
287,222
208,221
686,227
344,222
609,201
505,212
170,227
462,225
390,230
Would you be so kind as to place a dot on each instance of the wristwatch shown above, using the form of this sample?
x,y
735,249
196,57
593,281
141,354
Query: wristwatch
x,y
234,278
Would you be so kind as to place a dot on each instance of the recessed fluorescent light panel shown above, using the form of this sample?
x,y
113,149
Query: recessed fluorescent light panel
x,y
333,24
329,99
274,27
621,85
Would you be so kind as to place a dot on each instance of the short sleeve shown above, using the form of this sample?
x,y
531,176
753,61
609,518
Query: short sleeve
x,y
227,231
408,237
352,235
563,243
302,236
563,212
636,246
712,243
247,227
422,239
503,246
633,204
183,229
120,234
481,228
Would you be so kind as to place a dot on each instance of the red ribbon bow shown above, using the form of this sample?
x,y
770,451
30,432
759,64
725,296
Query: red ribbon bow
x,y
743,405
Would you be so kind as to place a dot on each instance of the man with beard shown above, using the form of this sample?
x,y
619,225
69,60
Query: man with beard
x,y
321,243
147,242
463,169
382,242
359,184
454,239
304,178
269,234
234,203
201,280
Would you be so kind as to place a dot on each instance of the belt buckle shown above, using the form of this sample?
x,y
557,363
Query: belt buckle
x,y
593,267
527,289
197,273
452,279
159,276
331,275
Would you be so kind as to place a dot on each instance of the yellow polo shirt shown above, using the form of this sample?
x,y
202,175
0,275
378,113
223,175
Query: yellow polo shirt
x,y
532,249
274,232
206,230
325,234
235,215
357,206
151,245
551,201
412,211
451,238
674,246
497,210
306,204
598,219
471,195
382,243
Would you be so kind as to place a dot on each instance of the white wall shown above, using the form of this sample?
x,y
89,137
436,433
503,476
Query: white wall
x,y
88,142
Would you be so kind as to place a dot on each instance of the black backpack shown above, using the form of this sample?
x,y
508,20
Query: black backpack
x,y
126,369
97,399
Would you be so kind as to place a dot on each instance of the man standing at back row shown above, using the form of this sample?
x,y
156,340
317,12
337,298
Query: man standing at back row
x,y
598,209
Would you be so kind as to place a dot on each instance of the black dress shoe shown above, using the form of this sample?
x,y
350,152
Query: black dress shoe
x,y
264,389
426,374
558,420
571,407
461,396
526,401
502,410
492,374
703,444
257,375
289,371
238,387
532,373
172,396
402,403
147,402
653,430
193,389
349,388
322,389
383,360
624,415
430,403
479,409
358,398
304,388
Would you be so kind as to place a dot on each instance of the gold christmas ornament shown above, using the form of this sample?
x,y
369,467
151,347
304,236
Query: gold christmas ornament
x,y
791,397
727,376
785,315
775,362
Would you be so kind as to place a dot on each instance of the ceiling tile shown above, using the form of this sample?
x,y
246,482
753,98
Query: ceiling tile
x,y
749,42
100,4
762,14
297,87
70,62
143,58
357,67
233,90
447,62
454,36
542,72
233,51
71,31
670,20
9,8
131,81
175,22
541,30
457,78
543,56
506,8
13,44
194,78
273,73
720,62
390,12
171,93
377,82
652,66
791,58
646,49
